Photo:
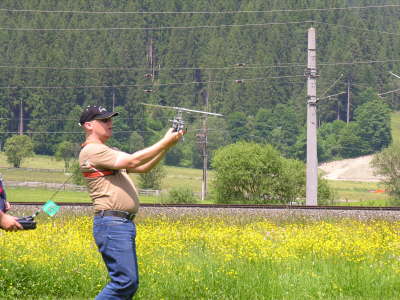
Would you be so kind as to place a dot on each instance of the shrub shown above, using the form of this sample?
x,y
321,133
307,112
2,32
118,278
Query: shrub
x,y
325,194
66,151
257,173
387,165
153,178
181,195
246,171
77,177
17,148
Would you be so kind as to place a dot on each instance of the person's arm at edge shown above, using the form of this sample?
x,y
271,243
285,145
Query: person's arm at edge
x,y
8,222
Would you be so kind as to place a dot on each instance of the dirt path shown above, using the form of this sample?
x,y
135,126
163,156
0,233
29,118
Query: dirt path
x,y
352,169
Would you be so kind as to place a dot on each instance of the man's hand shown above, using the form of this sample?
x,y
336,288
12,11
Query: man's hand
x,y
173,137
8,206
9,223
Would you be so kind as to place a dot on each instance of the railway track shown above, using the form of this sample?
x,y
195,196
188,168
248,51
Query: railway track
x,y
249,206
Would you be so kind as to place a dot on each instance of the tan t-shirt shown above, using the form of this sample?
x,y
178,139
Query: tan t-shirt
x,y
112,192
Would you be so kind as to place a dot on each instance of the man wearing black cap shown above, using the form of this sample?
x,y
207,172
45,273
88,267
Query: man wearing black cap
x,y
115,198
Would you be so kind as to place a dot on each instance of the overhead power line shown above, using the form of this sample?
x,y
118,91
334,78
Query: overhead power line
x,y
200,12
394,91
331,96
221,26
289,65
193,82
75,119
155,28
147,85
357,28
194,27
114,132
331,86
235,67
358,62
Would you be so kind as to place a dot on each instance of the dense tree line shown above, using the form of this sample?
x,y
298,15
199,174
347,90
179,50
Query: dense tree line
x,y
241,70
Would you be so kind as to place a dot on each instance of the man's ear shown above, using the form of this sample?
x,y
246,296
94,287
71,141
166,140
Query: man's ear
x,y
88,125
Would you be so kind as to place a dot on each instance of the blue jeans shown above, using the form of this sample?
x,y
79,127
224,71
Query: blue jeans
x,y
115,238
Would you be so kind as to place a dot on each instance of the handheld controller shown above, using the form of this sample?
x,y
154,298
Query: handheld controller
x,y
26,222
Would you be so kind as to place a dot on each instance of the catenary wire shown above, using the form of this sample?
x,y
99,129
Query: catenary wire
x,y
250,66
74,120
201,82
357,62
289,65
201,12
357,28
196,27
156,28
332,85
381,94
147,85
114,132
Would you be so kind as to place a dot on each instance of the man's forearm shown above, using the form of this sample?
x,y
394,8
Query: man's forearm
x,y
141,157
146,155
149,165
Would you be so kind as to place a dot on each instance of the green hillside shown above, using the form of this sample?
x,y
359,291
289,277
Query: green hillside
x,y
395,124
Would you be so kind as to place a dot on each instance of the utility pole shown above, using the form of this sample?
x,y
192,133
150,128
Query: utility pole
x,y
151,59
113,99
21,119
348,101
312,159
204,148
338,109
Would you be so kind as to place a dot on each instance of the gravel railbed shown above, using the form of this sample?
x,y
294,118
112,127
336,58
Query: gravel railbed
x,y
278,214
236,213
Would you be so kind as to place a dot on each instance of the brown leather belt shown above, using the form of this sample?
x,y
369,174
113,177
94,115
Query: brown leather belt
x,y
115,213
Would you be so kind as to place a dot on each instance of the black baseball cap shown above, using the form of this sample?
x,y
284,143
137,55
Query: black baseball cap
x,y
93,112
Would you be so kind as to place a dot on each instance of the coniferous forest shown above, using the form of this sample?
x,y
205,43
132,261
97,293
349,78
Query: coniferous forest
x,y
246,58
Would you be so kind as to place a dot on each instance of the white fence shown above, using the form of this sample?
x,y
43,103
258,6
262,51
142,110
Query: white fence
x,y
71,187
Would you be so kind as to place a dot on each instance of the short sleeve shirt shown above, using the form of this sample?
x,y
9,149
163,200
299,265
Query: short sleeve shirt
x,y
111,192
2,192
3,198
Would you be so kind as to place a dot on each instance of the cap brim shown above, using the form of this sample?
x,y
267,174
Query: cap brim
x,y
106,115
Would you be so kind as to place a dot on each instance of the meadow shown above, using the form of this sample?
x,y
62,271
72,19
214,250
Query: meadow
x,y
22,194
349,193
210,257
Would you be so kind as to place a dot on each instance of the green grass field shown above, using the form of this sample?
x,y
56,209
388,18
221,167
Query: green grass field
x,y
42,195
358,193
37,161
395,123
22,194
